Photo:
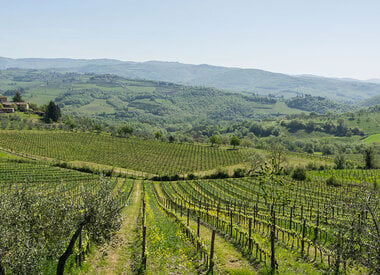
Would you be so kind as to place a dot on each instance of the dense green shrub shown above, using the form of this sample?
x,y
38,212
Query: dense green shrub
x,y
220,174
191,177
340,161
332,181
299,173
239,173
311,166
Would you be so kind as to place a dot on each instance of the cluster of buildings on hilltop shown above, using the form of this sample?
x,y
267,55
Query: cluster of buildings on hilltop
x,y
9,107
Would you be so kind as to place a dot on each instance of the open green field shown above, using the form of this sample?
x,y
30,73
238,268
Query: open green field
x,y
372,138
367,120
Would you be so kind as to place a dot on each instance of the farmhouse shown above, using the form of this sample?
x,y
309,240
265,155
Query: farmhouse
x,y
8,107
7,110
3,99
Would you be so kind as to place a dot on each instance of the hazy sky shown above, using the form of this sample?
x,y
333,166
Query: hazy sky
x,y
322,37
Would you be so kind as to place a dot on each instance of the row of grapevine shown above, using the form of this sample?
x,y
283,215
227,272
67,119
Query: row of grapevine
x,y
168,241
149,156
309,217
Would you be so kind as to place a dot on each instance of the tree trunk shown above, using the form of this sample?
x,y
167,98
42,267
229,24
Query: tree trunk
x,y
69,250
2,269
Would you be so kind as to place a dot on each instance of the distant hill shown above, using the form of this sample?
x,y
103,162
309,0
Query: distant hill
x,y
233,79
372,101
377,81
117,99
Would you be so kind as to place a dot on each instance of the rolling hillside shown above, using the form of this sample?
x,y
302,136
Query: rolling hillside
x,y
372,101
116,99
234,79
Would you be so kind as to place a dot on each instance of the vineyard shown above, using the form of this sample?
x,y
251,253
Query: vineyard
x,y
36,173
150,166
150,156
63,221
309,228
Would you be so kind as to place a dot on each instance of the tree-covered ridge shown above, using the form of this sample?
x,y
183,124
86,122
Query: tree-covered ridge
x,y
115,99
372,101
316,104
234,79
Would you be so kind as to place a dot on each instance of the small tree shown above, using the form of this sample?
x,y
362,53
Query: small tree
x,y
53,112
100,217
235,141
17,97
299,173
98,128
333,181
125,131
214,140
171,139
340,161
369,157
278,154
239,173
327,149
158,135
255,159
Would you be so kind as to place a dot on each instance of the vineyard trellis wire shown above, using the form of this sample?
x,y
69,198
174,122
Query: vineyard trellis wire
x,y
310,218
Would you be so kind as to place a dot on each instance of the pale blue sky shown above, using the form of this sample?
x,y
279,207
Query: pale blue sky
x,y
323,37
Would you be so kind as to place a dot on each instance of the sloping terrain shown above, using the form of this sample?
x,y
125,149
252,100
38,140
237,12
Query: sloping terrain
x,y
236,79
115,99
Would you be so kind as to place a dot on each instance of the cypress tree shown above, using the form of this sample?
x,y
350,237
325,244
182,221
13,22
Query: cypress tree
x,y
53,112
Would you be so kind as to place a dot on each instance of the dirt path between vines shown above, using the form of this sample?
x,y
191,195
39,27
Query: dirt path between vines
x,y
227,259
117,257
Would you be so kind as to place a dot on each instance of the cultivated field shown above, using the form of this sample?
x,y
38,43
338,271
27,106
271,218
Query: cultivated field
x,y
61,219
150,156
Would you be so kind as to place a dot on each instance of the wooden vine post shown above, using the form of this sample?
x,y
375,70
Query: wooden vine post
x,y
211,267
303,237
272,240
198,225
291,216
231,225
143,256
250,233
143,248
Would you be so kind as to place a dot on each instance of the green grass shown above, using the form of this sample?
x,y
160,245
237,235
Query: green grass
x,y
122,254
5,155
21,115
97,106
42,95
372,138
368,121
168,250
282,108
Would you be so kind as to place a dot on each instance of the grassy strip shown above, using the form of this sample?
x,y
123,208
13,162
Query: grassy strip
x,y
168,250
116,257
